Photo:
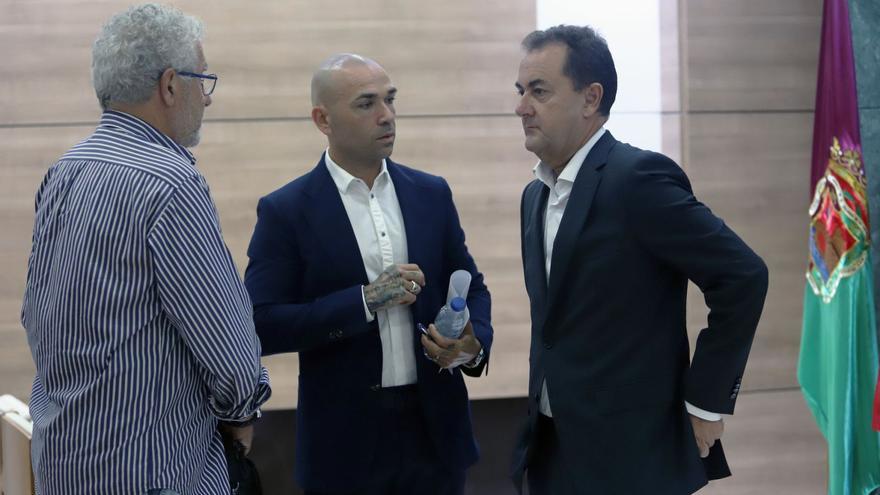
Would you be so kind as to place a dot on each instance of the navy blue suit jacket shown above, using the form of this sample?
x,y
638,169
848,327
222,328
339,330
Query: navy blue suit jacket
x,y
609,331
304,278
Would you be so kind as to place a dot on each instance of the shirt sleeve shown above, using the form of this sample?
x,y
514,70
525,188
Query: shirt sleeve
x,y
701,413
367,312
203,297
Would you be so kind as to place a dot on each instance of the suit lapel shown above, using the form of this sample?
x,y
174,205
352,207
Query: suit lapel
x,y
330,224
576,212
536,271
415,212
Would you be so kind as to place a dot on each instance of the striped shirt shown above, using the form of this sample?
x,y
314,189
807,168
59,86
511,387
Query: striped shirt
x,y
138,323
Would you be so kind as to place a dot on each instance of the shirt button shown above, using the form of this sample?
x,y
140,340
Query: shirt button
x,y
383,234
375,388
372,196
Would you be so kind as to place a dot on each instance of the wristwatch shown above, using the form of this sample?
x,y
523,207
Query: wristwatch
x,y
476,361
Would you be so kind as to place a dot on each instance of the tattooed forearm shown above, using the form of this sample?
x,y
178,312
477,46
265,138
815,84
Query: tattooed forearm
x,y
386,291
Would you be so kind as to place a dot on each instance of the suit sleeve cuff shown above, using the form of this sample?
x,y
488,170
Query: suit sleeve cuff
x,y
700,413
369,315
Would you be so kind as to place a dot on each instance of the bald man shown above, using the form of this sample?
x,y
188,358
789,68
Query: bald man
x,y
345,262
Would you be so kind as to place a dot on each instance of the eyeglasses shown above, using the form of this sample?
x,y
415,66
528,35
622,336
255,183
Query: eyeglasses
x,y
207,87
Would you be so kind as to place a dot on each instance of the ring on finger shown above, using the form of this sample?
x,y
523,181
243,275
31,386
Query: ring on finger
x,y
414,287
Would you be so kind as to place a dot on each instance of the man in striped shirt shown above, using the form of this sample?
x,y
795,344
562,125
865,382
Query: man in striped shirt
x,y
138,324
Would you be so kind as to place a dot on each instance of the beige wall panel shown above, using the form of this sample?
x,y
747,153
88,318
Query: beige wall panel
x,y
748,169
482,158
457,56
752,54
487,168
26,155
670,62
16,365
671,133
753,171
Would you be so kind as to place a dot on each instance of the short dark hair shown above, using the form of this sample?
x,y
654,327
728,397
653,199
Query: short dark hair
x,y
588,59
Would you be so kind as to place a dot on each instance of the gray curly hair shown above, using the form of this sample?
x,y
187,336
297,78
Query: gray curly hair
x,y
136,46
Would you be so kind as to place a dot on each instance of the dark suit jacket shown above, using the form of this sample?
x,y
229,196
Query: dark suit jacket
x,y
304,278
609,332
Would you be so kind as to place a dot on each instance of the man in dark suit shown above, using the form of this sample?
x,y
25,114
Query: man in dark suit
x,y
344,262
611,234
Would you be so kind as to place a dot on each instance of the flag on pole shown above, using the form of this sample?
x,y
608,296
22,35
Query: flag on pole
x,y
838,363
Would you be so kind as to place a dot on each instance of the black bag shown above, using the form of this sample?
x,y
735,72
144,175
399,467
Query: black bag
x,y
243,476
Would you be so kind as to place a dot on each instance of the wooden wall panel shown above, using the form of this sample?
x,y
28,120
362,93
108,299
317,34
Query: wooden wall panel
x,y
752,170
482,158
739,63
747,169
446,57
749,88
26,154
672,138
670,60
752,54
487,167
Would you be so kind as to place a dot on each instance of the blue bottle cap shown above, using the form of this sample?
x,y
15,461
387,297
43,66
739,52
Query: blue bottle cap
x,y
457,304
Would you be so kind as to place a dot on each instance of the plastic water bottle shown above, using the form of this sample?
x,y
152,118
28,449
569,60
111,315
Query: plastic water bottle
x,y
452,318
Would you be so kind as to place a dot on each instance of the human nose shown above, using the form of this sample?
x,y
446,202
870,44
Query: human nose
x,y
523,108
387,113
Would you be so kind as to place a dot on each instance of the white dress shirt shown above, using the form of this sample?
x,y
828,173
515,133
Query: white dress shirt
x,y
378,226
560,190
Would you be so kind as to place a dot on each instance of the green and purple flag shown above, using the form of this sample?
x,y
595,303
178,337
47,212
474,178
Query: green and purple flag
x,y
838,363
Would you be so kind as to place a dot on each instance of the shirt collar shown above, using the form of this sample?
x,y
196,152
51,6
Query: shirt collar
x,y
133,125
344,180
545,174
